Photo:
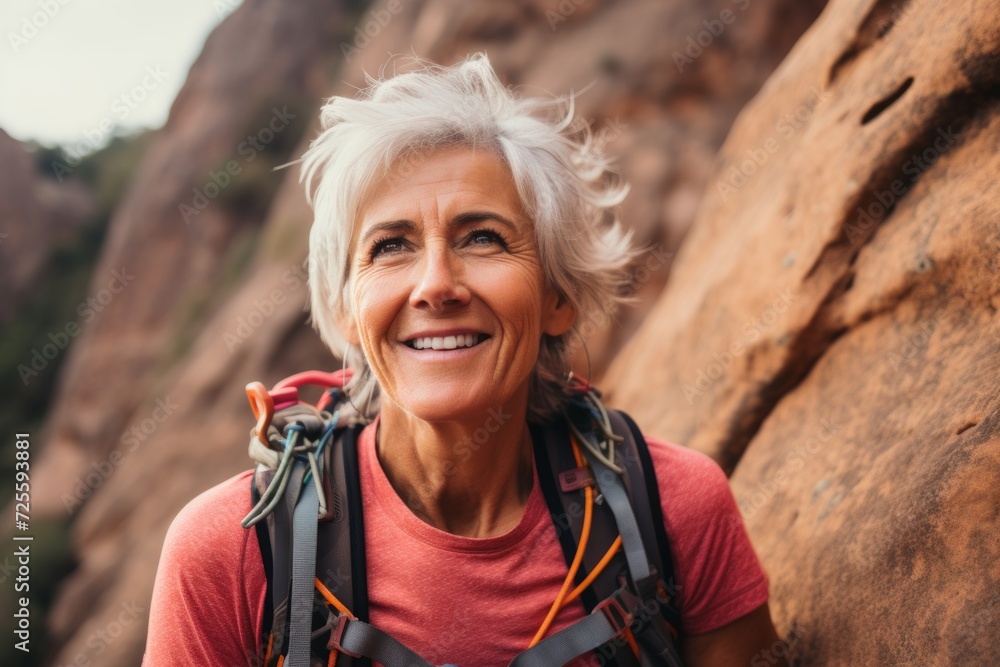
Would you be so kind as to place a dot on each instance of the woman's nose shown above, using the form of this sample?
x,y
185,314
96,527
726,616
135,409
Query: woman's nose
x,y
440,281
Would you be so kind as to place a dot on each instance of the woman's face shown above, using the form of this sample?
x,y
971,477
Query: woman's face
x,y
450,298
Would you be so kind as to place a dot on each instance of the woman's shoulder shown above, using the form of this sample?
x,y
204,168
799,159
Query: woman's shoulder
x,y
719,575
217,510
688,478
207,530
210,569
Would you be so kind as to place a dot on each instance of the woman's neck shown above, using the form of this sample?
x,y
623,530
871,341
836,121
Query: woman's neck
x,y
470,477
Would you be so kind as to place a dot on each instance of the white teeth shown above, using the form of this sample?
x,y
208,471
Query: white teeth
x,y
445,342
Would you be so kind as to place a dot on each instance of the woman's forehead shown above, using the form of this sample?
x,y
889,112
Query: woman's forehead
x,y
442,183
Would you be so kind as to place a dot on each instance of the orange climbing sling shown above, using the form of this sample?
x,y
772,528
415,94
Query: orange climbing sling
x,y
307,514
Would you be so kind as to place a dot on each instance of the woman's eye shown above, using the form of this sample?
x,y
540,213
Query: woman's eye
x,y
487,237
387,247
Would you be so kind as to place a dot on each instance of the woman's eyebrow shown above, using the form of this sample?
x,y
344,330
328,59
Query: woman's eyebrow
x,y
387,226
460,220
472,217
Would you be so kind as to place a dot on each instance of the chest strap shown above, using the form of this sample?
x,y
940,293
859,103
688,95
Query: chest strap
x,y
609,620
635,599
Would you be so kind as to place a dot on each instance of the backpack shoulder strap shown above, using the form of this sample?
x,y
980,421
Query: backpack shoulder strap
x,y
555,463
644,495
339,550
645,556
340,556
264,542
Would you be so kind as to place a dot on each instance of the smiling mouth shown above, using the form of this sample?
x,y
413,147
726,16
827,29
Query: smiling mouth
x,y
446,342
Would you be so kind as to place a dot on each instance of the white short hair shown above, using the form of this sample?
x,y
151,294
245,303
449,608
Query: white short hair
x,y
560,171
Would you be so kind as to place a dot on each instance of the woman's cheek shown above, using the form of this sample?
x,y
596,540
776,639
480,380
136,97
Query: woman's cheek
x,y
367,288
365,305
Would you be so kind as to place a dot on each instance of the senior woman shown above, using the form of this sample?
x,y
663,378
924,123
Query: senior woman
x,y
460,232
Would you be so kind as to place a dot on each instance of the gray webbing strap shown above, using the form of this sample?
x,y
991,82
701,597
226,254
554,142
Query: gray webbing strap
x,y
583,636
579,638
280,523
614,493
358,638
366,640
303,574
638,486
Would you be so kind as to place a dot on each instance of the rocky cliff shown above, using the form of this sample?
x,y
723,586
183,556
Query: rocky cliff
x,y
38,213
210,243
134,428
830,334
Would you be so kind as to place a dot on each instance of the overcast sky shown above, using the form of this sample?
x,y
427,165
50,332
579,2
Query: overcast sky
x,y
70,69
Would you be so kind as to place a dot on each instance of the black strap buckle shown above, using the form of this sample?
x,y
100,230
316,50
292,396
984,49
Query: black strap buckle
x,y
337,636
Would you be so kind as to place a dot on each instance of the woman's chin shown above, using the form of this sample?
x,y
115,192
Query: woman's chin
x,y
438,411
444,403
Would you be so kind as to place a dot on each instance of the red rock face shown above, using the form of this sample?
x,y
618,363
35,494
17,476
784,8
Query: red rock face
x,y
830,333
154,389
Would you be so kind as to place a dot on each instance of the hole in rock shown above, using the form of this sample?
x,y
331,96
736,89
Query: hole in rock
x,y
884,104
965,428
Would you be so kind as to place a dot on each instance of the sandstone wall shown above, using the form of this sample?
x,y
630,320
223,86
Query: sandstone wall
x,y
830,334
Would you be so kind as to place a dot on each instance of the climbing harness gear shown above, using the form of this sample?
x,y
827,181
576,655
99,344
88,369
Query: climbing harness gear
x,y
307,514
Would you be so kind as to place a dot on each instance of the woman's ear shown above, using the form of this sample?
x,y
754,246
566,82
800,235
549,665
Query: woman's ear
x,y
348,327
560,316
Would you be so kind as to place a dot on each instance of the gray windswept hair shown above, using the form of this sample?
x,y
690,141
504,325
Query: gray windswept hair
x,y
561,173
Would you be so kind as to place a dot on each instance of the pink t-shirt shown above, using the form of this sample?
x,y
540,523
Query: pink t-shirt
x,y
474,602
